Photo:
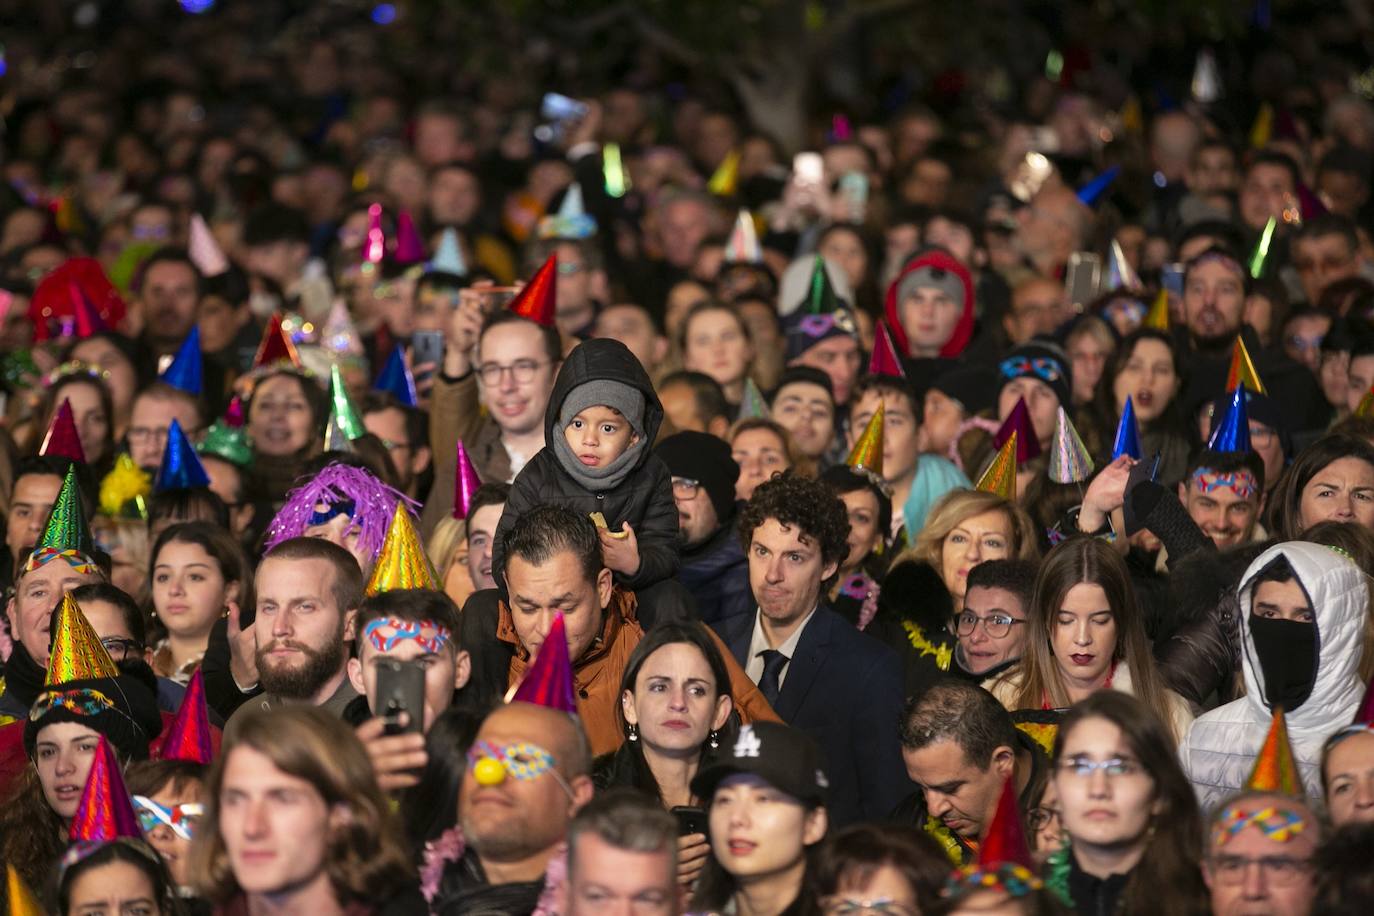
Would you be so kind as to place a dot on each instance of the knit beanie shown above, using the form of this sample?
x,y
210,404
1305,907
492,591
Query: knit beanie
x,y
1041,360
121,708
707,460
626,399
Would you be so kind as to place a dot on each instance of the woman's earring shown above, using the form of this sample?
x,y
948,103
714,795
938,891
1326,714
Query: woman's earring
x,y
714,738
634,733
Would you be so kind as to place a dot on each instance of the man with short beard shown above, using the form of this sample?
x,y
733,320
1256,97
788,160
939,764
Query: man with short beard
x,y
308,590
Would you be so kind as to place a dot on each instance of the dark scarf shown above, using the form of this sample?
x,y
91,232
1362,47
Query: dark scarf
x,y
23,676
1287,652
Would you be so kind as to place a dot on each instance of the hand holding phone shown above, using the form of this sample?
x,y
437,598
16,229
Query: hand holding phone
x,y
400,689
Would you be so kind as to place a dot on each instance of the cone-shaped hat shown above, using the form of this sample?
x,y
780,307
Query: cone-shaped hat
x,y
1158,316
1069,458
549,681
1242,370
409,248
1006,837
227,439
276,346
1120,274
538,301
1275,770
105,811
62,439
726,176
1091,192
743,246
752,403
22,901
188,735
66,528
396,379
884,359
449,258
1000,477
77,653
203,250
1366,406
341,406
401,563
186,371
1127,441
1232,434
466,483
181,468
867,454
1019,422
821,298
85,316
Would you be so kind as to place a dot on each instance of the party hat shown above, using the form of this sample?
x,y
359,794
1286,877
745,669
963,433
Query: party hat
x,y
538,301
1005,840
339,335
374,244
203,250
86,319
466,483
226,438
409,248
335,439
1069,459
396,379
181,468
22,901
1095,188
1365,714
1262,128
1260,255
743,246
401,563
613,173
188,735
449,258
821,298
1206,83
751,403
867,454
124,490
549,681
571,221
1232,434
1274,769
1127,441
726,176
105,812
1018,423
185,372
341,406
276,346
76,297
1000,477
66,528
884,359
1366,406
1120,274
1158,316
77,653
61,439
1242,370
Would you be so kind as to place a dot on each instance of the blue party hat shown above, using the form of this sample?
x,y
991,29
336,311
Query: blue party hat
x,y
1127,434
1232,434
185,372
396,379
1091,192
181,469
449,258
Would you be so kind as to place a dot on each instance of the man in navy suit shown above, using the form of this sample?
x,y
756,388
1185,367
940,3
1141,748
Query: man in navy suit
x,y
820,673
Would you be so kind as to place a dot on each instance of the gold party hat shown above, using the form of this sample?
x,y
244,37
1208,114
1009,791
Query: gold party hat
x,y
77,654
1242,370
22,900
867,454
1000,477
1158,316
401,563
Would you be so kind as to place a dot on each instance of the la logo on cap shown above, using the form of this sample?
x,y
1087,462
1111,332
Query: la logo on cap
x,y
748,743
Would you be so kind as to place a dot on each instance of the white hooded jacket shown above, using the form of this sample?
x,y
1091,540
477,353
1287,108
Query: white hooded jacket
x,y
1219,749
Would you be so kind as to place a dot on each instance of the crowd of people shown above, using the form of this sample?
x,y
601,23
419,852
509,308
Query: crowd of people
x,y
426,492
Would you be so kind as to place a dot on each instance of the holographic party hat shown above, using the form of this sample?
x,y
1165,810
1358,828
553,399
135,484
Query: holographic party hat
x,y
466,483
77,653
867,454
549,681
62,439
180,469
1069,458
105,811
401,563
1000,477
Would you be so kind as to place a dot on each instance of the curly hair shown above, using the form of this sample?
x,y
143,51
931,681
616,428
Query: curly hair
x,y
807,504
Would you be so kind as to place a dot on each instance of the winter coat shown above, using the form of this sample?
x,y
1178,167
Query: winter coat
x,y
1220,749
892,309
644,498
716,572
455,413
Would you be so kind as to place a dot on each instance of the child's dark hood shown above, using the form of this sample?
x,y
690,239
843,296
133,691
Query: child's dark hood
x,y
603,358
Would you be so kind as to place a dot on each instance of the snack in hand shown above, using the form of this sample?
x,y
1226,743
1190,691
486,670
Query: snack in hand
x,y
599,521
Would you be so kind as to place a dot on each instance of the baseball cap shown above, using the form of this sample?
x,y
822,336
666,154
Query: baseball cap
x,y
786,758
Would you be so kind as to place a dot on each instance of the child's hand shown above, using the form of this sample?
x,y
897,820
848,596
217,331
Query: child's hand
x,y
620,554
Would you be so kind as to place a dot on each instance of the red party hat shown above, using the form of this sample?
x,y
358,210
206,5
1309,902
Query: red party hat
x,y
538,300
56,305
188,735
61,439
1006,838
276,346
105,812
884,360
549,681
1019,422
86,320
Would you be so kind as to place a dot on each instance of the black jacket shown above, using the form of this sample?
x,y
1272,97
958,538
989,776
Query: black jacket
x,y
644,498
716,572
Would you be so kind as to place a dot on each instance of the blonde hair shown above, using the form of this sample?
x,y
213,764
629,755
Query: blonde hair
x,y
445,542
956,507
366,858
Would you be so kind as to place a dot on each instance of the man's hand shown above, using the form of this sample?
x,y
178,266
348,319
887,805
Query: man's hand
x,y
243,651
461,331
1105,494
620,554
692,851
396,759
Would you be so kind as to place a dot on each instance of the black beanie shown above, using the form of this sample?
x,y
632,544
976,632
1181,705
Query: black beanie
x,y
707,460
122,709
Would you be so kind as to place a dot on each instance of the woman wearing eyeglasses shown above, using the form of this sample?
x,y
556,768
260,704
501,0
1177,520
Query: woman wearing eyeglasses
x,y
1133,827
880,870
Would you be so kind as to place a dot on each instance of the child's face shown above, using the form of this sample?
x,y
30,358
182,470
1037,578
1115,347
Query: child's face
x,y
599,435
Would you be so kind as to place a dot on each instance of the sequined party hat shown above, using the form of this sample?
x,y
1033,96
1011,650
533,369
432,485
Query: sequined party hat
x,y
105,811
884,359
181,468
867,454
395,378
549,681
1000,477
401,563
1069,458
1018,422
1127,441
203,250
188,735
538,301
186,371
66,528
1232,434
77,653
1275,770
725,178
227,439
1120,274
1242,370
752,403
61,439
465,484
276,346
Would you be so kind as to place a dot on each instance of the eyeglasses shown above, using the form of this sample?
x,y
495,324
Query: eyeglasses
x,y
522,370
995,625
121,648
1040,818
844,906
1281,870
1112,767
686,487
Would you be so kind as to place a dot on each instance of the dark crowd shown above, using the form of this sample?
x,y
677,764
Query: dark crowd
x,y
475,459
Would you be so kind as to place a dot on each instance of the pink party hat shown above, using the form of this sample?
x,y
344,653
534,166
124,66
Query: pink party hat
x,y
203,250
549,681
1019,422
466,484
188,735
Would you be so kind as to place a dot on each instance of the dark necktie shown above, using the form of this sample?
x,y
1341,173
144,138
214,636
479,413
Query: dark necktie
x,y
773,663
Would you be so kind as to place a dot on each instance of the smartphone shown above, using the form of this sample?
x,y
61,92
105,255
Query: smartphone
x,y
426,347
689,820
1083,277
400,689
496,298
555,107
854,193
1171,278
808,169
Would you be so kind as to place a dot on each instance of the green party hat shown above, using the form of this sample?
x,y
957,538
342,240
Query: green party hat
x,y
341,407
66,528
821,298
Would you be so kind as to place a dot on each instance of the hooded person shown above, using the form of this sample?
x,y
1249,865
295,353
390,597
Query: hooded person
x,y
929,307
1302,610
600,425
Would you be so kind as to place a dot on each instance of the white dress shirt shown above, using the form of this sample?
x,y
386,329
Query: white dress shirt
x,y
759,642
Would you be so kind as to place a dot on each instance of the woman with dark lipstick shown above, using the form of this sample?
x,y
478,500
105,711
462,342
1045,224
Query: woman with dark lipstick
x,y
1145,369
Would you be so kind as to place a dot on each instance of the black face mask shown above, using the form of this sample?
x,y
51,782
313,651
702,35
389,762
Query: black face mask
x,y
1287,651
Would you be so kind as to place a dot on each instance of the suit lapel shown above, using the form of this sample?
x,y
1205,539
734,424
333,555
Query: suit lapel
x,y
805,664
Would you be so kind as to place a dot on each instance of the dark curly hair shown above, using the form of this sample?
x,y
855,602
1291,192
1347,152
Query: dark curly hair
x,y
810,505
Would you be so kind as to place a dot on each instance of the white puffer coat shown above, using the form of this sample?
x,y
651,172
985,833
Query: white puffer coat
x,y
1220,748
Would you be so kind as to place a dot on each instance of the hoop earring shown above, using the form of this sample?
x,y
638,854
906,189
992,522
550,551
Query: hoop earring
x,y
714,738
634,733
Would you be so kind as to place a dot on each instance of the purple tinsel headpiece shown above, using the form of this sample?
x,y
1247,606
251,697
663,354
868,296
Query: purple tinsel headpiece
x,y
373,505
